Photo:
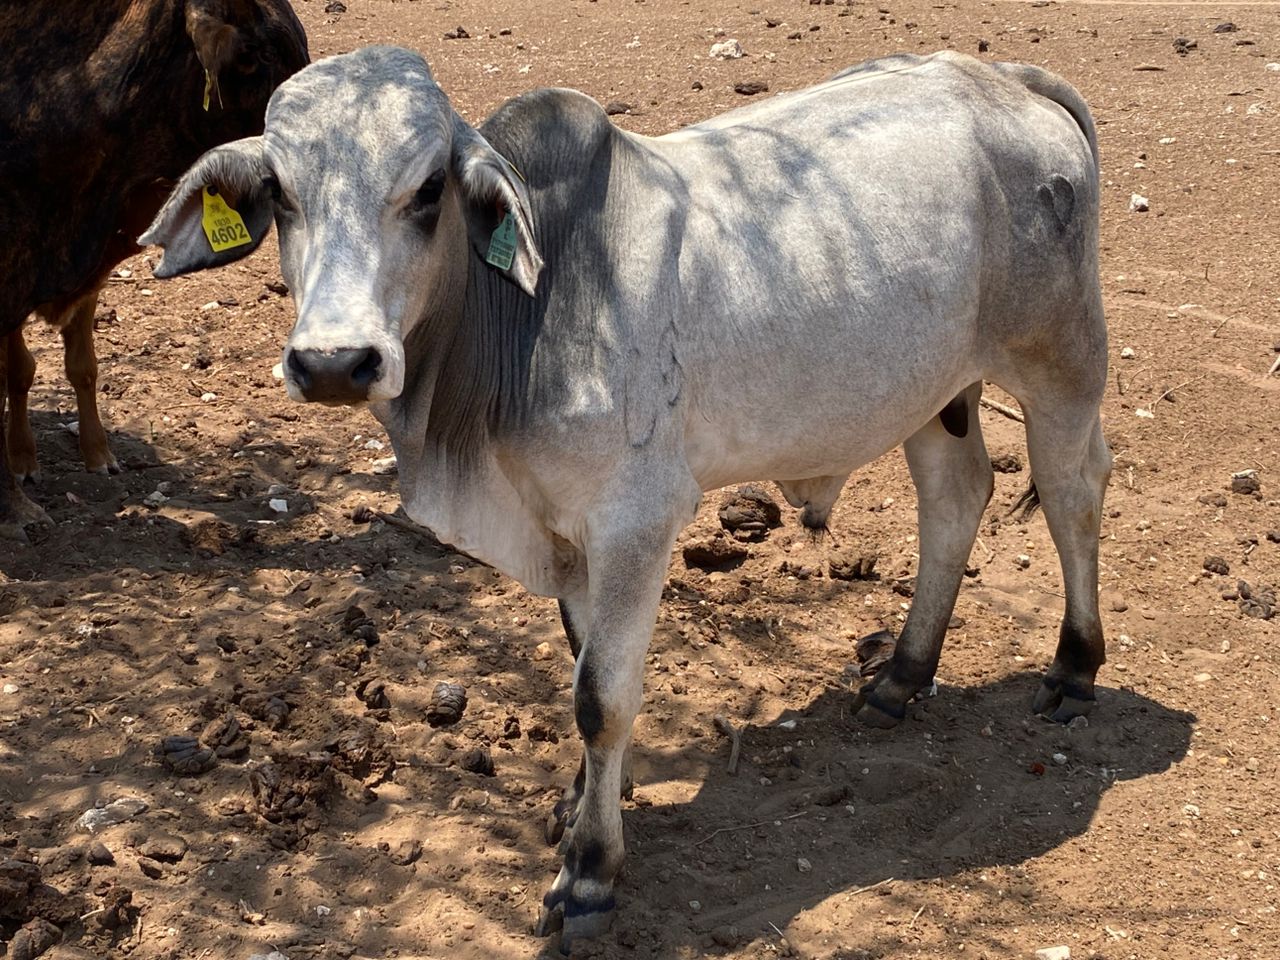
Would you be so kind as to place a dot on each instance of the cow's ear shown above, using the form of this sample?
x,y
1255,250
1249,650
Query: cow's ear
x,y
219,211
496,202
217,42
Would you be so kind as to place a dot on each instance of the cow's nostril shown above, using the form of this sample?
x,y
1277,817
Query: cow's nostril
x,y
335,376
298,371
366,370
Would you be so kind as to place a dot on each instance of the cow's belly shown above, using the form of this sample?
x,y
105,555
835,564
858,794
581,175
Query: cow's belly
x,y
807,410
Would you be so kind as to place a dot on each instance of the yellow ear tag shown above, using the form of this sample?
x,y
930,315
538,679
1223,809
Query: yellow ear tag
x,y
223,226
208,89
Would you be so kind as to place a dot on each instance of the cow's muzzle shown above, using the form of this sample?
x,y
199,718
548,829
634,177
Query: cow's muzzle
x,y
334,376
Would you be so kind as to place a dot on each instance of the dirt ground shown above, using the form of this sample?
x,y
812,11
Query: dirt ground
x,y
340,823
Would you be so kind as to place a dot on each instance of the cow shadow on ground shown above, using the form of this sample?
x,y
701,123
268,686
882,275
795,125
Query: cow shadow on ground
x,y
828,810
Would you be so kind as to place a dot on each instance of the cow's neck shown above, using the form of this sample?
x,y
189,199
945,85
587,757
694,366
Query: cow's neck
x,y
466,377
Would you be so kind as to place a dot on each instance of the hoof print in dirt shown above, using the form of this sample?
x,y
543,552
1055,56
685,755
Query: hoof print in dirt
x,y
227,736
874,651
291,787
448,701
750,514
853,567
478,760
1217,565
185,756
373,694
717,552
270,708
33,939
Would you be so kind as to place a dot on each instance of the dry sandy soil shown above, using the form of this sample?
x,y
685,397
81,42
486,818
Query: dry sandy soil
x,y
1154,832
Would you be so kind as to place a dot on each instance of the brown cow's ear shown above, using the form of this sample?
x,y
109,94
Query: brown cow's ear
x,y
217,42
219,211
496,203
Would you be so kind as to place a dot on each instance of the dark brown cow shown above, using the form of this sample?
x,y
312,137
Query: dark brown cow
x,y
102,106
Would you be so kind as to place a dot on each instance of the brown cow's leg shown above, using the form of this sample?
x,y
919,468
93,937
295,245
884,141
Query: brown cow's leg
x,y
82,372
21,373
16,511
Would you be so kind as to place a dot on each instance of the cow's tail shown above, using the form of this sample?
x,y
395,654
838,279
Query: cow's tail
x,y
1052,87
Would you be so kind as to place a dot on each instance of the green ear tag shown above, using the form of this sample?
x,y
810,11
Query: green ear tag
x,y
502,245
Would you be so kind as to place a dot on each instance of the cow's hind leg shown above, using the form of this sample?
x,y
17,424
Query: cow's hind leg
x,y
565,812
82,372
1070,464
953,479
16,511
20,375
626,564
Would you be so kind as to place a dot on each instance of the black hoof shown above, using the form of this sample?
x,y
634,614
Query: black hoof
x,y
1062,703
872,710
550,919
585,921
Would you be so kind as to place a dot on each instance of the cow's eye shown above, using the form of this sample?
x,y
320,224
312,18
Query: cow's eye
x,y
429,194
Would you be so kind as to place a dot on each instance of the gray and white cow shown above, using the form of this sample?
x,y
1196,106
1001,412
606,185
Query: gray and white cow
x,y
570,331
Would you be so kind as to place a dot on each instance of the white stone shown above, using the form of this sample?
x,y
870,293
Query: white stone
x,y
278,371
1128,353
208,397
1138,203
1060,759
10,688
803,865
1054,953
726,50
118,811
1273,67
278,504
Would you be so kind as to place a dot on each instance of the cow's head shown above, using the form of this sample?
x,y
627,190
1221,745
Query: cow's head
x,y
381,194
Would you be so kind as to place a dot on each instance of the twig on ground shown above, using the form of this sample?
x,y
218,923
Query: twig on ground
x,y
1274,367
747,826
915,918
735,740
364,514
1000,408
870,886
92,913
1185,383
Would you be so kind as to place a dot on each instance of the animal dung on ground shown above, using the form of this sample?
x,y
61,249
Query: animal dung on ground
x,y
750,513
478,760
850,566
185,756
1217,565
717,552
749,88
448,701
1246,484
1007,463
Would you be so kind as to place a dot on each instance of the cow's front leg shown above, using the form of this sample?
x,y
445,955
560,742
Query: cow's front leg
x,y
565,812
82,372
626,567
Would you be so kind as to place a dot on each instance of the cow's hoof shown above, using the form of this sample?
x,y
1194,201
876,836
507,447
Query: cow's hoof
x,y
585,921
1060,703
550,919
26,474
562,817
880,715
108,467
13,533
